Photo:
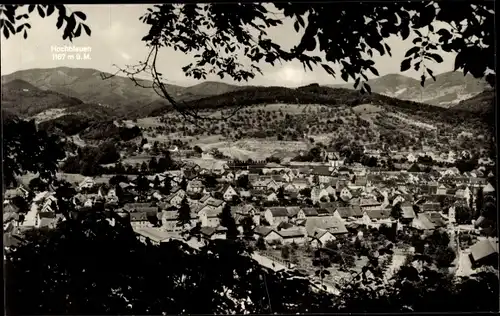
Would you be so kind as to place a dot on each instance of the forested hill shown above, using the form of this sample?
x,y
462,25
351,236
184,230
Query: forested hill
x,y
313,94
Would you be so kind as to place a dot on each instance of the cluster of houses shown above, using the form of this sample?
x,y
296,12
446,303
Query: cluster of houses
x,y
292,202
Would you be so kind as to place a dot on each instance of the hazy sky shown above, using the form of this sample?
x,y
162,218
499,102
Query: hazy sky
x,y
116,39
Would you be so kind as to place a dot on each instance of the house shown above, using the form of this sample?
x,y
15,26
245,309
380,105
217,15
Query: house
x,y
155,235
319,237
176,198
324,174
331,154
349,212
484,252
436,218
345,194
140,219
441,190
228,192
293,235
422,222
273,185
209,217
369,204
376,217
430,207
411,158
212,233
272,197
228,176
293,211
407,214
299,184
269,234
87,183
330,223
398,199
331,190
317,194
195,186
307,212
276,215
259,184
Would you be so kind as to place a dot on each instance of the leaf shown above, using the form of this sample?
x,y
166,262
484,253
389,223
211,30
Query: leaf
x,y
40,11
418,33
6,32
87,29
435,56
81,15
25,34
328,69
459,60
78,30
431,74
367,87
411,51
59,22
31,8
50,9
388,49
422,80
356,83
296,26
405,64
417,40
405,32
344,76
374,71
19,28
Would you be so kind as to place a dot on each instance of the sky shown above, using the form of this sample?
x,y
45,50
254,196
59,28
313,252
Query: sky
x,y
116,39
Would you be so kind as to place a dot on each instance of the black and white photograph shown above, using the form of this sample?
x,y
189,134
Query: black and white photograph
x,y
327,157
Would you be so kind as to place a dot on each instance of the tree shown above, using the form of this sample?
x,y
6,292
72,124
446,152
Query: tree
x,y
28,149
12,15
142,183
167,186
281,193
153,165
479,202
242,181
227,220
285,252
261,243
156,182
210,181
248,226
396,211
184,213
197,150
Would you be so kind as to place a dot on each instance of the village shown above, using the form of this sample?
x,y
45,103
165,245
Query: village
x,y
289,208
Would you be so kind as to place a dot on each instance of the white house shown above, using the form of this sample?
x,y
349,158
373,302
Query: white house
x,y
276,215
87,183
441,190
269,234
345,194
209,217
319,237
228,192
411,158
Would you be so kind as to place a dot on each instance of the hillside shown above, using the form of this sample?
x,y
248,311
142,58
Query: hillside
x,y
21,98
449,88
481,103
311,94
120,94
